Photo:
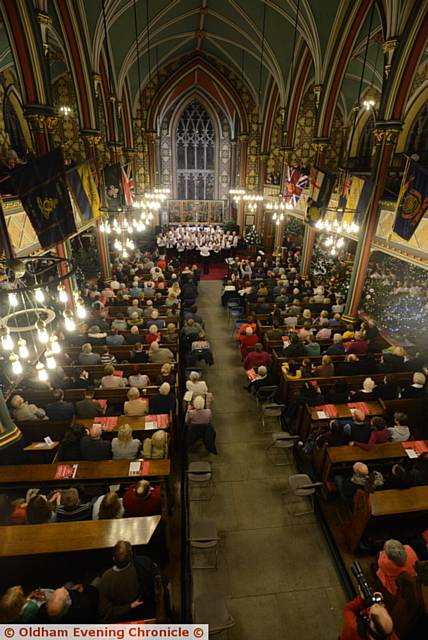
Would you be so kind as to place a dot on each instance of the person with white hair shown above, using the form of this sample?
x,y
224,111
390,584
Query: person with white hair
x,y
154,319
153,335
199,425
160,355
93,447
367,393
87,357
248,340
195,385
164,401
135,405
23,411
395,559
417,389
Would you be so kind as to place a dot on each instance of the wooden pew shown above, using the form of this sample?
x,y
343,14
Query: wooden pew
x,y
65,537
414,408
115,396
107,471
339,459
311,421
391,508
97,370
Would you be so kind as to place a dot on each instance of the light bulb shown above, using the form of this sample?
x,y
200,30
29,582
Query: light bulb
x,y
70,325
43,374
55,346
50,360
16,364
23,349
42,334
39,295
62,295
81,311
7,342
102,227
13,299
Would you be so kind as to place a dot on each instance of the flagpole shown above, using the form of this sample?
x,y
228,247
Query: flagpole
x,y
401,192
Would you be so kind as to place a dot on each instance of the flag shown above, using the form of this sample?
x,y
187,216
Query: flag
x,y
412,201
297,180
84,191
113,187
344,195
128,184
41,187
321,186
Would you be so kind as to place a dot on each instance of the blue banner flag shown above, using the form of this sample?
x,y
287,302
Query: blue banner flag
x,y
321,187
40,185
412,201
84,191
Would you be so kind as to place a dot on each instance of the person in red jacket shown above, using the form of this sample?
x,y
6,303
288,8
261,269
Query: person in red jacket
x,y
362,623
142,500
248,340
257,358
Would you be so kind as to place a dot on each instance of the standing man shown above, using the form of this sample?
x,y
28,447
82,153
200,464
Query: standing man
x,y
205,256
367,623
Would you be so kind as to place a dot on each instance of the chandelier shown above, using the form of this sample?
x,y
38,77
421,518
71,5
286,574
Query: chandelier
x,y
33,296
337,227
237,194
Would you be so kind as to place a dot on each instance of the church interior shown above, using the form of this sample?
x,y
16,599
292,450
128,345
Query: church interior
x,y
213,317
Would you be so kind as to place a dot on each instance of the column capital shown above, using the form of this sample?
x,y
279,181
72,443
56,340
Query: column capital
x,y
387,132
320,144
244,137
91,136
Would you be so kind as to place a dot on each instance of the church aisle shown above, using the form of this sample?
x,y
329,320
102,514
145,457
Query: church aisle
x,y
274,569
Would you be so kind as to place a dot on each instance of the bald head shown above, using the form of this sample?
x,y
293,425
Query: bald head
x,y
380,620
58,604
361,468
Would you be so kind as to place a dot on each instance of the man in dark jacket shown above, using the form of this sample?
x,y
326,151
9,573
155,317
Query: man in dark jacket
x,y
70,606
357,429
59,409
93,447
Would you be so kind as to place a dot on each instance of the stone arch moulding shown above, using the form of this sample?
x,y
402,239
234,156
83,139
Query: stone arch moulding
x,y
196,74
12,94
414,106
172,116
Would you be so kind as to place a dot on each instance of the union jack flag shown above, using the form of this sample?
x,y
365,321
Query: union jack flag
x,y
297,179
128,184
344,195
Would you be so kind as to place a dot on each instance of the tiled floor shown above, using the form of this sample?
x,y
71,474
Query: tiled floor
x,y
274,568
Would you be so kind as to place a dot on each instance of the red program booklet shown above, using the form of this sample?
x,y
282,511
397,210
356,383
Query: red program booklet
x,y
328,409
118,374
251,374
417,445
108,424
65,471
361,406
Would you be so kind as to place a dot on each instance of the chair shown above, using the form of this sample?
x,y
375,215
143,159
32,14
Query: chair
x,y
203,543
211,609
199,476
271,410
302,486
281,443
265,395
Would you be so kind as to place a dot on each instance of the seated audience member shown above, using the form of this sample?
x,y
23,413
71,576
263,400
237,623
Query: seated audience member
x,y
115,339
295,348
134,337
292,370
138,354
357,429
379,434
70,606
337,394
312,347
96,336
197,414
142,500
325,369
350,367
119,323
393,361
199,425
83,380
59,409
162,402
248,340
16,608
196,386
388,389
418,474
138,379
257,358
126,591
156,447
324,333
370,622
135,308
166,375
170,336
87,357
360,479
262,379
110,380
23,411
70,444
152,335
135,405
147,311
106,356
276,332
108,507
349,332
88,407
41,510
400,432
417,389
359,345
160,355
336,436
93,447
337,348
71,509
394,560
124,446
367,393
155,320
